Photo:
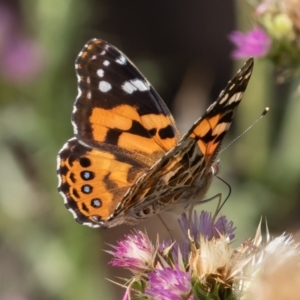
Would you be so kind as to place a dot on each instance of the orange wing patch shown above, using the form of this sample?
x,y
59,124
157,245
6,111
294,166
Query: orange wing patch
x,y
162,125
207,133
149,134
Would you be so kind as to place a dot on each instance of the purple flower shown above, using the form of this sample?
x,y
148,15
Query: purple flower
x,y
135,252
255,43
169,284
206,226
224,227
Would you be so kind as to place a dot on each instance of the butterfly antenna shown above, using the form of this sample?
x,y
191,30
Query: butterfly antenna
x,y
265,111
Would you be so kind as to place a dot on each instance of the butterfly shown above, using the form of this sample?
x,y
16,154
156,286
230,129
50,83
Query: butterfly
x,y
127,160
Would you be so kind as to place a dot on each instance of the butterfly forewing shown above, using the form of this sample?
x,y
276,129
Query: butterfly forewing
x,y
116,105
211,128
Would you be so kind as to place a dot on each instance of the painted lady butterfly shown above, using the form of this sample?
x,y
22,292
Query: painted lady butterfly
x,y
128,160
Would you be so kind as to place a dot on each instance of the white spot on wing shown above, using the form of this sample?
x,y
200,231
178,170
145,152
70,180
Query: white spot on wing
x,y
84,144
220,128
103,52
79,92
121,60
59,178
72,211
89,95
134,85
100,72
140,84
247,75
74,109
232,86
106,63
90,225
224,98
72,121
129,87
235,98
104,86
209,108
58,166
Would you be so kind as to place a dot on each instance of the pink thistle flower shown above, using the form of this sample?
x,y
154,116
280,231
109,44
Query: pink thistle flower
x,y
255,43
169,284
135,252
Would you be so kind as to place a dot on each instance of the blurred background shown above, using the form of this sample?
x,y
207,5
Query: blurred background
x,y
182,48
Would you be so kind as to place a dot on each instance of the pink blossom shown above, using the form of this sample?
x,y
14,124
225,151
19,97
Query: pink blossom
x,y
255,43
169,284
135,252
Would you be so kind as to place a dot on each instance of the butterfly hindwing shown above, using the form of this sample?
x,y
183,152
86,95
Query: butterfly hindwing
x,y
93,181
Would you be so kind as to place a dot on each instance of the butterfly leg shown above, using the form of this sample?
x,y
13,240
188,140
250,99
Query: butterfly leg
x,y
166,226
219,206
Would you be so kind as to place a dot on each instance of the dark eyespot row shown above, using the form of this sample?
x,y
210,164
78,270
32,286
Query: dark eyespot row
x,y
85,162
87,175
96,202
86,189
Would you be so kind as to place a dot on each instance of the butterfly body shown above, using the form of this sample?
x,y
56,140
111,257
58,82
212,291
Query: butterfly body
x,y
128,160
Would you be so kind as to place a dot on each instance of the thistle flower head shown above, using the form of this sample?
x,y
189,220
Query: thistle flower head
x,y
213,268
210,261
135,252
169,284
275,270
